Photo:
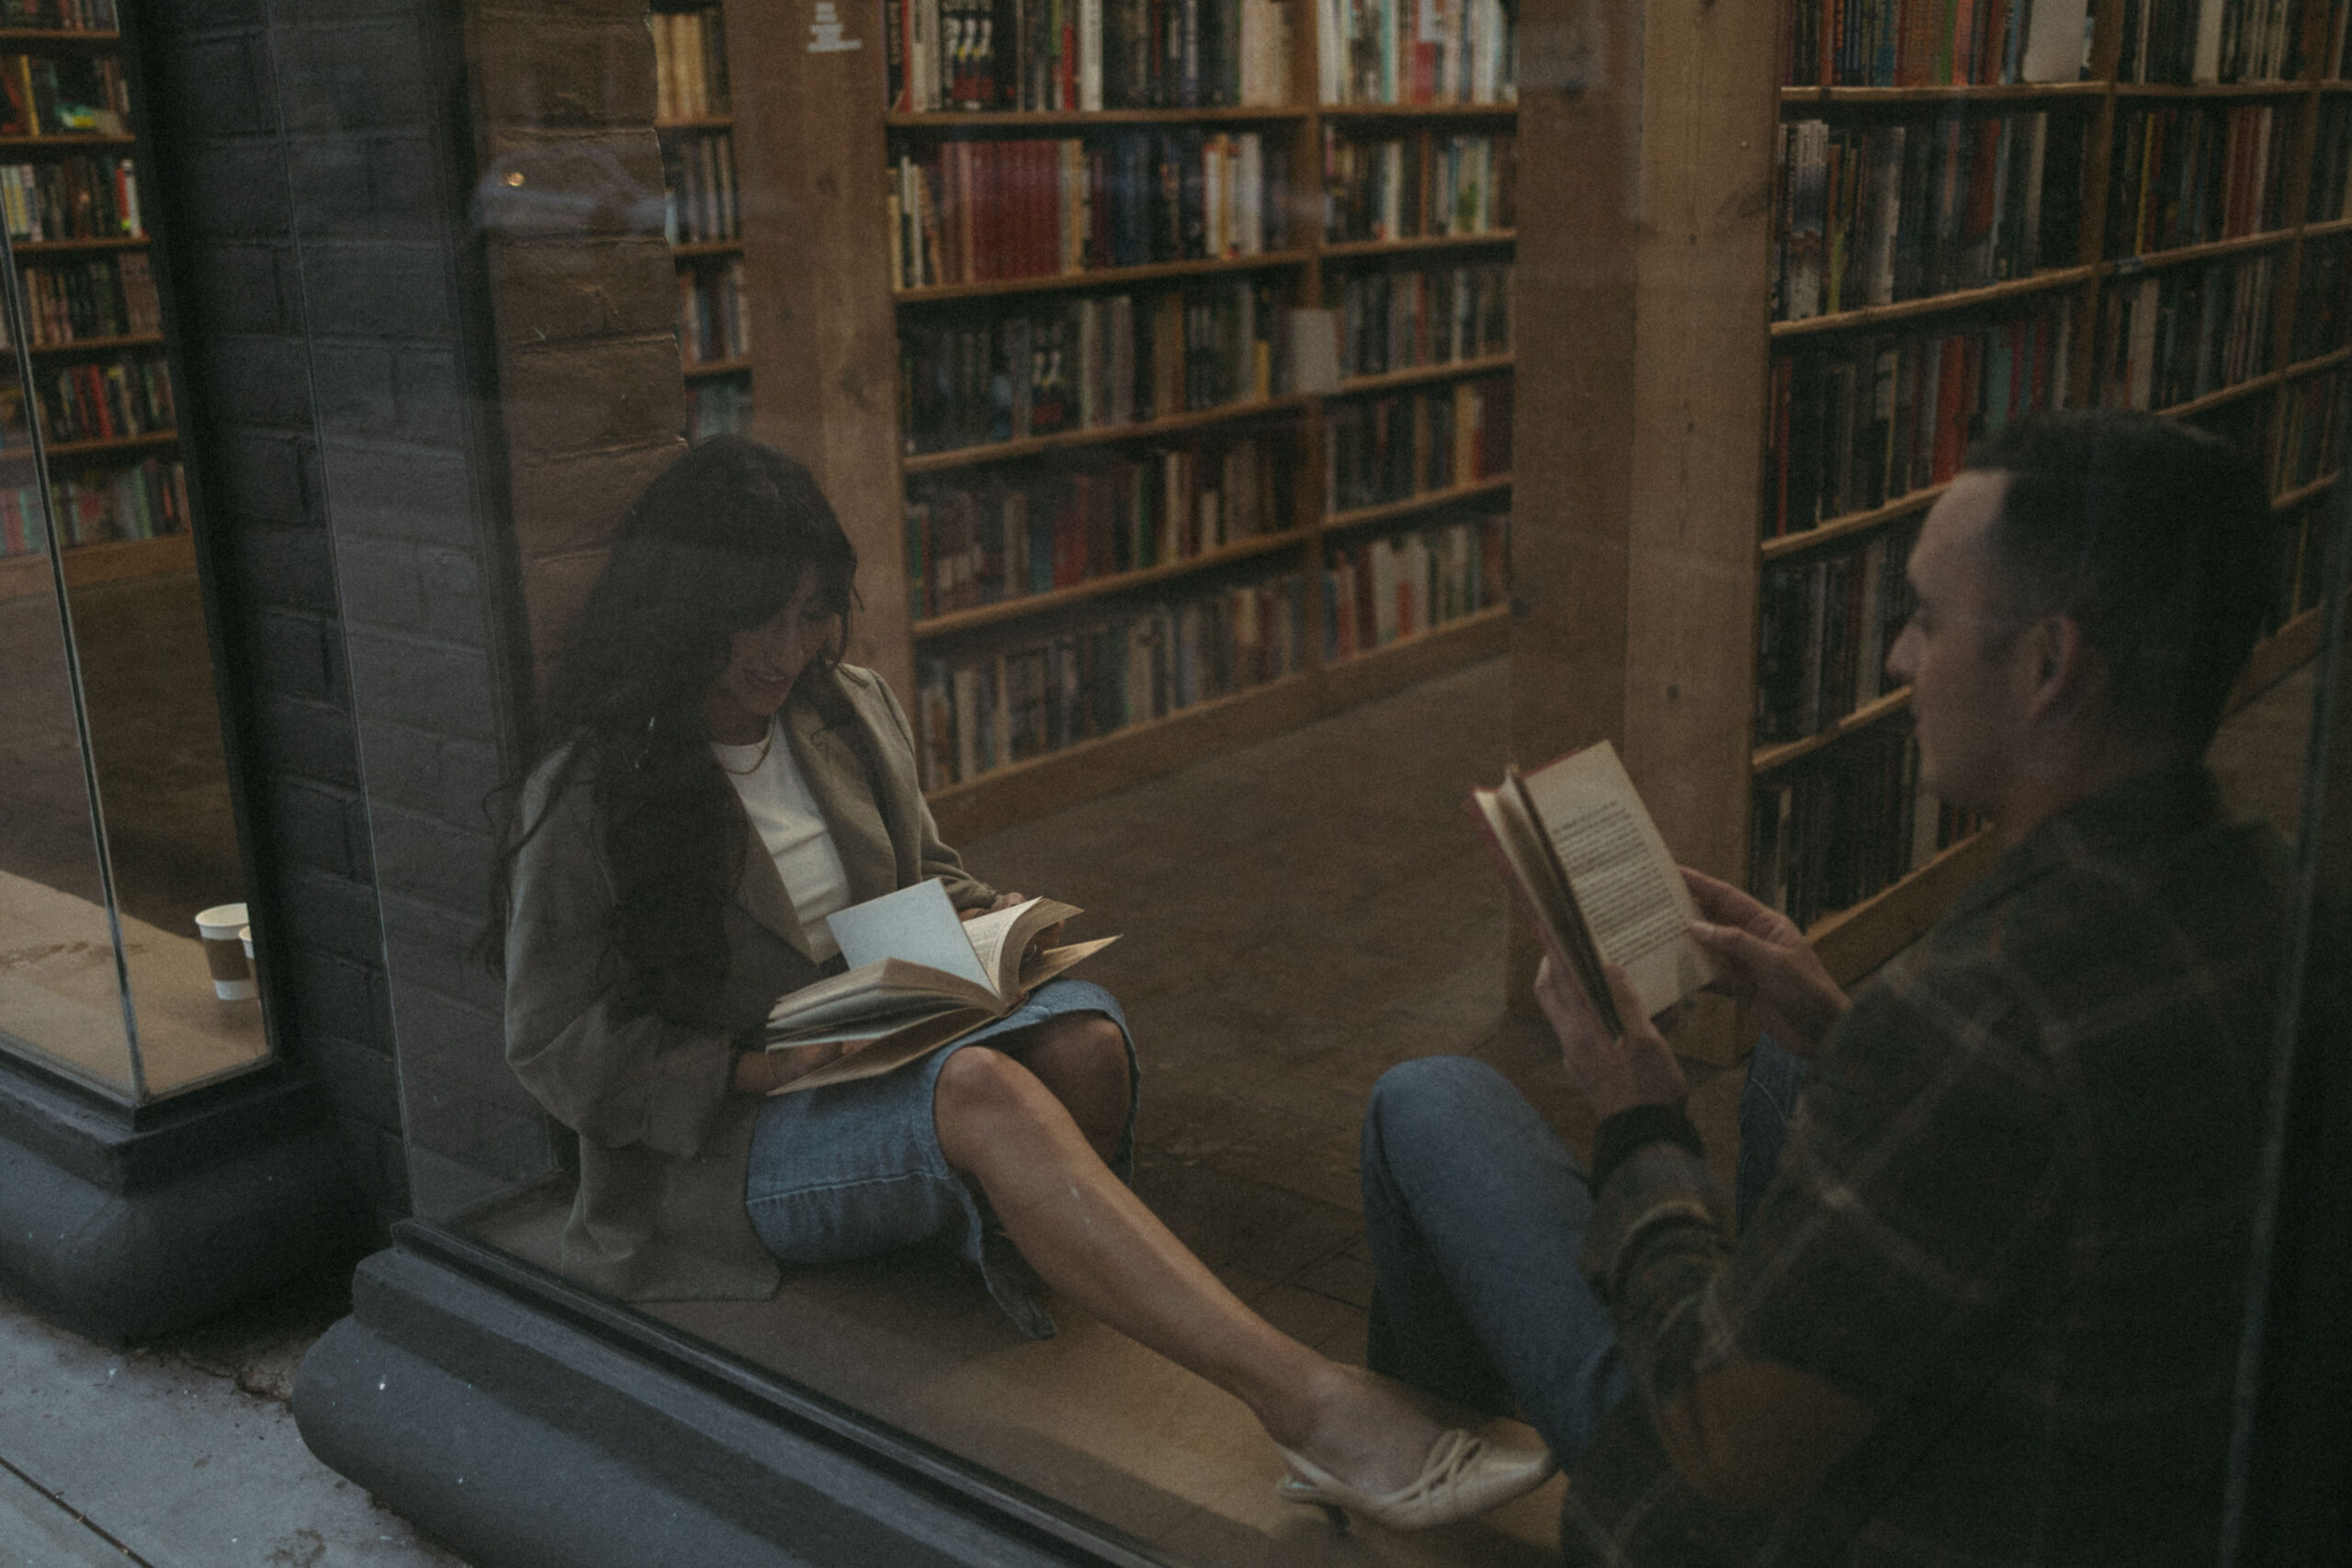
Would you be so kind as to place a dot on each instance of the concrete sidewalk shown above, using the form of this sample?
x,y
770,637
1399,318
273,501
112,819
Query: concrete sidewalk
x,y
181,1454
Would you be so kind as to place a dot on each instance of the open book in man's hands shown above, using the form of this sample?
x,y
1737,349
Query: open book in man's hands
x,y
918,978
1575,840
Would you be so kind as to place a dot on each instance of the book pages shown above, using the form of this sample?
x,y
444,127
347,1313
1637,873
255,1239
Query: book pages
x,y
1627,887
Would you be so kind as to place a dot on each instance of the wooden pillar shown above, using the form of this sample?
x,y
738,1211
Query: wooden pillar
x,y
1644,253
810,152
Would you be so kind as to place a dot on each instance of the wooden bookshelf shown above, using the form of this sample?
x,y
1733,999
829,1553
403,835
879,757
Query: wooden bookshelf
x,y
1644,255
120,560
95,482
693,109
831,392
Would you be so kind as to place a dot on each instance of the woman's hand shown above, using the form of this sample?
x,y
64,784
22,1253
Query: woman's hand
x,y
1767,963
764,1072
1613,1075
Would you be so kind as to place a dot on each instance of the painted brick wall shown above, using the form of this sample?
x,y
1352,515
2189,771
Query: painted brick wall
x,y
430,325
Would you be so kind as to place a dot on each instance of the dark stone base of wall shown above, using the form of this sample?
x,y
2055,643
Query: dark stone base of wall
x,y
526,1425
124,1229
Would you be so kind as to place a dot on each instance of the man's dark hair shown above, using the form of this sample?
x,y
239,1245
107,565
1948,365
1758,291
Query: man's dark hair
x,y
2155,538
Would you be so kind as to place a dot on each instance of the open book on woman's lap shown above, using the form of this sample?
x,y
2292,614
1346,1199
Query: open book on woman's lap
x,y
919,977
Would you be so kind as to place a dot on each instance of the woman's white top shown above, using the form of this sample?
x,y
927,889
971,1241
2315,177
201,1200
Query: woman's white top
x,y
784,815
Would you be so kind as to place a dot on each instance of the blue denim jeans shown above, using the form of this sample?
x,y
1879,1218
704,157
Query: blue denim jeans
x,y
1476,1214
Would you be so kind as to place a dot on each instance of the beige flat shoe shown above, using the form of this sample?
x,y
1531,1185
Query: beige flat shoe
x,y
1463,1477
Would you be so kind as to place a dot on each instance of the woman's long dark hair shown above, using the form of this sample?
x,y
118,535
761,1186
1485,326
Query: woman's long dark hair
x,y
718,545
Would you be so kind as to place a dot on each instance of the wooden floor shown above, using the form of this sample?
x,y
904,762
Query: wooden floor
x,y
1298,916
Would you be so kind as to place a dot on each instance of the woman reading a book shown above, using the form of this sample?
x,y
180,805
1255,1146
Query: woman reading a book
x,y
717,781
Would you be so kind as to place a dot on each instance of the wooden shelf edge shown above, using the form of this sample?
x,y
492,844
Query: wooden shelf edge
x,y
101,345
1968,92
2327,228
1100,435
1098,278
2328,361
697,122
1427,500
2268,87
67,139
2221,395
1043,785
711,367
2184,256
1012,119
1418,111
42,38
1358,386
1856,941
80,242
2285,651
1766,758
115,560
1936,304
1781,545
932,627
59,450
688,250
2302,494
1344,250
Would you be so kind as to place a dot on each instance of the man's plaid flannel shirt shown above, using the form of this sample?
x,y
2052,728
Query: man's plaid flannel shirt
x,y
2011,1218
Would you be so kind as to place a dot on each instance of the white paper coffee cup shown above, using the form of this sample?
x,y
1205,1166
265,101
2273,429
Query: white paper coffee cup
x,y
221,927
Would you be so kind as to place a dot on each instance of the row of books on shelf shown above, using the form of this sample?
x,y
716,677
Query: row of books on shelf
x,y
1060,55
1389,589
1874,213
2193,174
142,501
978,713
1852,425
2322,299
2190,42
714,322
1395,317
1403,187
700,203
93,401
973,544
86,197
1083,362
108,296
689,64
2169,336
2302,560
975,210
63,95
1932,43
2310,434
1416,51
1844,825
719,406
63,15
1391,449
1826,622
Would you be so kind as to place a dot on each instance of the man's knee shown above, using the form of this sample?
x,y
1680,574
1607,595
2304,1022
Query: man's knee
x,y
1430,1104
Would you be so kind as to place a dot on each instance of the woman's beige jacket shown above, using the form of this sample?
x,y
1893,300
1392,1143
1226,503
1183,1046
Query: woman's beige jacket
x,y
663,1137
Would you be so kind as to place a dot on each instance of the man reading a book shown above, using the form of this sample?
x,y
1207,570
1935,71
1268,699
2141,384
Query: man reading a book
x,y
1987,1307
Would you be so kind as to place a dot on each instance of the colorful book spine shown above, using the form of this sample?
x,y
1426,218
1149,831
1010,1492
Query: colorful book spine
x,y
1385,449
1377,592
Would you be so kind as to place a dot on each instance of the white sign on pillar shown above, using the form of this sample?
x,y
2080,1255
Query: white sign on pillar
x,y
826,32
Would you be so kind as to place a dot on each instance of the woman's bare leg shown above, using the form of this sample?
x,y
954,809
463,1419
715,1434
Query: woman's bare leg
x,y
1096,1243
1082,1057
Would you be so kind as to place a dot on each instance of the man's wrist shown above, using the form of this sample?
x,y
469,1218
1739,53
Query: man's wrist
x,y
1623,1131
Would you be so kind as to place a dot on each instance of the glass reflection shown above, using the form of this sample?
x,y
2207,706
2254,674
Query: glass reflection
x,y
118,826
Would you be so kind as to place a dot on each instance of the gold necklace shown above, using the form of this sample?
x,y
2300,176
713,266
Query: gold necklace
x,y
757,762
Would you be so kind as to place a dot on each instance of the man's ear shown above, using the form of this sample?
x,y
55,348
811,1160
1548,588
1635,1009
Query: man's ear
x,y
2061,667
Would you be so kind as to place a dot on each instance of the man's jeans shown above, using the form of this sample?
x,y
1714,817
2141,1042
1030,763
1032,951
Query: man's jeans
x,y
1476,1214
